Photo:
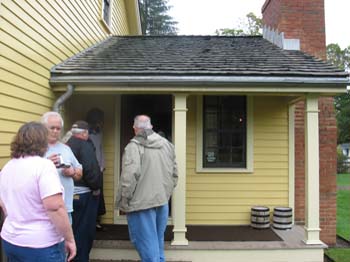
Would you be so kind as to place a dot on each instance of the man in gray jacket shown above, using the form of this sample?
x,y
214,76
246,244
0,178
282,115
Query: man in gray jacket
x,y
149,175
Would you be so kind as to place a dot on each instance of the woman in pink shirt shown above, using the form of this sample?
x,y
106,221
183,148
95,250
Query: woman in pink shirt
x,y
36,226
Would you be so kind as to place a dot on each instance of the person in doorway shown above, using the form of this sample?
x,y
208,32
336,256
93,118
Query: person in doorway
x,y
36,223
95,119
62,156
148,178
86,190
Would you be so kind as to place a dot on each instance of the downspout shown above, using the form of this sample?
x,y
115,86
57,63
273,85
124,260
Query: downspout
x,y
59,102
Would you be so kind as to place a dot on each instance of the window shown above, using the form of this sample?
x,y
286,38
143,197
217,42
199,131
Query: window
x,y
225,134
106,13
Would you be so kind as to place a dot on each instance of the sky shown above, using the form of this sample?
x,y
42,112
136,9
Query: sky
x,y
203,17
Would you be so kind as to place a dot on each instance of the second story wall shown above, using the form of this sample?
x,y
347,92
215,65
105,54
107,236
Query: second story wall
x,y
36,35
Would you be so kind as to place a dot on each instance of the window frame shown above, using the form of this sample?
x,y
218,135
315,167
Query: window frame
x,y
249,142
106,24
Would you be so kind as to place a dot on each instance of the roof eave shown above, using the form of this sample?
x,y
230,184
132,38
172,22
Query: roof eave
x,y
264,84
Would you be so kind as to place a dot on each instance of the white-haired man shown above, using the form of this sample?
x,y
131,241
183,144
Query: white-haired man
x,y
62,156
149,176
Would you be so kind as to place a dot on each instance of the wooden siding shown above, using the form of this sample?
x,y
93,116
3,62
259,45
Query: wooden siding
x,y
226,198
76,109
34,36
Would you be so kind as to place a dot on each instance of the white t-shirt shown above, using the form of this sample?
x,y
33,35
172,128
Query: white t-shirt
x,y
24,183
67,182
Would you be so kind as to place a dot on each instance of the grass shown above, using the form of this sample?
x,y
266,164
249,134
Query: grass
x,y
343,210
343,220
343,214
339,254
343,179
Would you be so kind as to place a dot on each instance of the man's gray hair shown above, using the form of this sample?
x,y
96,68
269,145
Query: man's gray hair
x,y
142,122
45,117
76,130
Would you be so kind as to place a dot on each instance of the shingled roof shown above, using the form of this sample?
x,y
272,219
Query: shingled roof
x,y
176,57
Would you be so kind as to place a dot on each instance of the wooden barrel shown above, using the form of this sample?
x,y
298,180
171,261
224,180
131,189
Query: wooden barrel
x,y
282,217
260,217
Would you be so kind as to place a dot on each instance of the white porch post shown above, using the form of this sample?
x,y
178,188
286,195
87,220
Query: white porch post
x,y
312,193
179,196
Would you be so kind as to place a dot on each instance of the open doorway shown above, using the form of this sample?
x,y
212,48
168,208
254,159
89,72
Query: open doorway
x,y
158,107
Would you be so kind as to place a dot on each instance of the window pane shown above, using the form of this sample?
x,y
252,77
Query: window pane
x,y
211,140
211,120
224,134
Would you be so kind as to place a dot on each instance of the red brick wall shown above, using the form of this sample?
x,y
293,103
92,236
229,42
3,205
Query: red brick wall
x,y
328,170
300,19
304,20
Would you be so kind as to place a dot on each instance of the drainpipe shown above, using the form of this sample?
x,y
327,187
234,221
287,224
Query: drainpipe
x,y
59,102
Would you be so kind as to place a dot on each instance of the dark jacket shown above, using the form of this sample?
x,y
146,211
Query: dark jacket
x,y
84,151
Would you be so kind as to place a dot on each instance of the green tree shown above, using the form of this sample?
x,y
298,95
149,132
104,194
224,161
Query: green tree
x,y
154,18
252,26
341,58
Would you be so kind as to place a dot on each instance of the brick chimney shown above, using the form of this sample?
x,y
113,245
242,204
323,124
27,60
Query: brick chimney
x,y
302,20
300,25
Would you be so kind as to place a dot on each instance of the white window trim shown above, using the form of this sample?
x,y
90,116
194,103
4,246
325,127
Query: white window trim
x,y
199,144
107,24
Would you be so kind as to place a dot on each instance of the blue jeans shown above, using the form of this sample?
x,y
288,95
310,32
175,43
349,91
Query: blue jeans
x,y
84,224
146,231
53,253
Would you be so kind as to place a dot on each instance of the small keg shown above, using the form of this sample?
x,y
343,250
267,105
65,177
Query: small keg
x,y
260,217
282,217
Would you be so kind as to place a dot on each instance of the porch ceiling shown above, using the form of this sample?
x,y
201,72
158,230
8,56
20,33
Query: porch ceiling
x,y
196,62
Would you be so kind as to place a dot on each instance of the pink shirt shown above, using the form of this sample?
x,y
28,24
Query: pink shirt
x,y
24,183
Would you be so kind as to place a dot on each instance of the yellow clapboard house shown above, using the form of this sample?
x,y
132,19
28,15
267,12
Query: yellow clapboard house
x,y
35,36
227,103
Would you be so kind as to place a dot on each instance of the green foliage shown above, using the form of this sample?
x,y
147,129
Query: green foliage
x,y
253,26
342,112
230,32
342,164
341,58
338,57
154,18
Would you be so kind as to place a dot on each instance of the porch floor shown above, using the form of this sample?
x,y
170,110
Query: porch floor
x,y
199,233
290,248
289,239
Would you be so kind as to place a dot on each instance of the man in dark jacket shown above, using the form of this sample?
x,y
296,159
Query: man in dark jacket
x,y
86,190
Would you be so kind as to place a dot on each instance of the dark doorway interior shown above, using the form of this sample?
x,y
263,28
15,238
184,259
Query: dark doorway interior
x,y
158,107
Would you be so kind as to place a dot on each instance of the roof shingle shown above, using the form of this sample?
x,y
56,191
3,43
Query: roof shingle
x,y
193,56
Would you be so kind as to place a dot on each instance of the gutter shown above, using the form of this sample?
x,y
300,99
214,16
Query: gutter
x,y
60,101
200,80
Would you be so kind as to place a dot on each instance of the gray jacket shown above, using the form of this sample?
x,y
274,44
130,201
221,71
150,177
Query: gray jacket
x,y
149,173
